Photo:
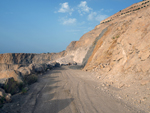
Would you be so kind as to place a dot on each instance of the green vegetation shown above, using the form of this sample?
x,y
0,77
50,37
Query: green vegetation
x,y
115,37
24,90
2,101
21,85
11,86
30,79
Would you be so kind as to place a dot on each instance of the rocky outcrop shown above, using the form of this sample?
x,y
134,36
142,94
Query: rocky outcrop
x,y
16,58
9,66
4,97
9,74
44,58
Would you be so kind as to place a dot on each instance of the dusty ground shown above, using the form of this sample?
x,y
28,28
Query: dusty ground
x,y
68,90
136,93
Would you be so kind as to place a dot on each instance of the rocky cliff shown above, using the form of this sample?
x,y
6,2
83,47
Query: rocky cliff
x,y
124,49
79,51
118,48
117,52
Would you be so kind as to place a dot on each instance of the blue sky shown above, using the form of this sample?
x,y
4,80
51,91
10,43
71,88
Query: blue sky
x,y
41,26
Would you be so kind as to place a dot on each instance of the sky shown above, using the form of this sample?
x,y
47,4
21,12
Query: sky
x,y
42,26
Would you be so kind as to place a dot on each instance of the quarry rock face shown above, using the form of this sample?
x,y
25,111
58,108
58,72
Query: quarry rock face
x,y
13,61
16,58
77,50
9,74
124,49
118,48
28,58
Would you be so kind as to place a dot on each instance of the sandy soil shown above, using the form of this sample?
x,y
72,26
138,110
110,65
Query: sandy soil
x,y
67,90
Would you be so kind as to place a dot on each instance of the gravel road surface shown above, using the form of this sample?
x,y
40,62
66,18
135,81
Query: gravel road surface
x,y
66,90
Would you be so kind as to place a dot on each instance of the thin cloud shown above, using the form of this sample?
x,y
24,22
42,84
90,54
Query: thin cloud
x,y
65,8
97,17
69,21
108,10
101,17
73,30
83,8
92,15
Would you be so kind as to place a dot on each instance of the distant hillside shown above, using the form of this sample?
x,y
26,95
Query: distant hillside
x,y
13,60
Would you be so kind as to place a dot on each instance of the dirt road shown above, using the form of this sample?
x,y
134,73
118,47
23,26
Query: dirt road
x,y
66,90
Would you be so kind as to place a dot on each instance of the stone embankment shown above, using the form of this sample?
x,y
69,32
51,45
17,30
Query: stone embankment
x,y
18,70
15,81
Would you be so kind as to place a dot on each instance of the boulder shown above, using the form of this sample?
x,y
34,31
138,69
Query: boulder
x,y
4,75
64,64
32,68
8,97
39,68
30,79
2,82
57,64
74,63
49,66
4,97
2,92
11,86
24,71
53,64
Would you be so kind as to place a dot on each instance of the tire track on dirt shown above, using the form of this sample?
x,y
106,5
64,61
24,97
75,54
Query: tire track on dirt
x,y
69,90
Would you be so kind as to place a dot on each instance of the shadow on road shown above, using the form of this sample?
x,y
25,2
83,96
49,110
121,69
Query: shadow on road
x,y
53,106
76,67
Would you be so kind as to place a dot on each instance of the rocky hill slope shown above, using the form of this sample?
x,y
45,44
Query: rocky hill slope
x,y
119,45
79,50
124,49
117,51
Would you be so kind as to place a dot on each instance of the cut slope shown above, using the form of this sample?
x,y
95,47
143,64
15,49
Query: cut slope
x,y
125,47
